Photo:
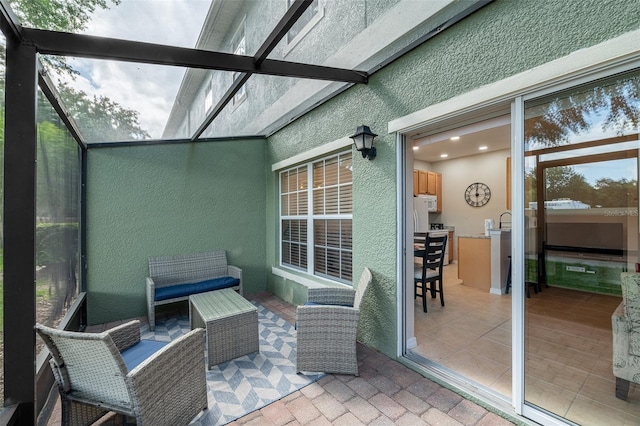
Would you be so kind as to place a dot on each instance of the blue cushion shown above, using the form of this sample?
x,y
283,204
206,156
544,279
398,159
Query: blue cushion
x,y
181,290
142,350
327,304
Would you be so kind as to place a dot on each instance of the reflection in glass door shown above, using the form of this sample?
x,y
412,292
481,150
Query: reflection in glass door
x,y
581,250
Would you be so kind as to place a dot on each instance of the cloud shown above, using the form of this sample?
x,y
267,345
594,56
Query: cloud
x,y
148,89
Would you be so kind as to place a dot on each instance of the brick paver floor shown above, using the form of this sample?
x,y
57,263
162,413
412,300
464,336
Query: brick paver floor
x,y
385,393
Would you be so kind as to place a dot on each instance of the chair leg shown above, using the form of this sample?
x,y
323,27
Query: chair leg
x,y
441,292
424,296
622,388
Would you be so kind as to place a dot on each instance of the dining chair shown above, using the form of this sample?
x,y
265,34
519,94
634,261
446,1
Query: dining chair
x,y
429,273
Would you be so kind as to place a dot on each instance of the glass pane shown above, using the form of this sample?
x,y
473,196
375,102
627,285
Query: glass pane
x,y
346,168
581,185
318,201
331,171
57,211
114,101
346,199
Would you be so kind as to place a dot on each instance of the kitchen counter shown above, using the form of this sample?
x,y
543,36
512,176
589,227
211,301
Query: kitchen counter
x,y
483,260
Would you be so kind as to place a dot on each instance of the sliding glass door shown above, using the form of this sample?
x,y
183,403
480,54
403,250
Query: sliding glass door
x,y
581,235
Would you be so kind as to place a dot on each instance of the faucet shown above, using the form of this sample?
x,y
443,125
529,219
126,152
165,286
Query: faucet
x,y
500,225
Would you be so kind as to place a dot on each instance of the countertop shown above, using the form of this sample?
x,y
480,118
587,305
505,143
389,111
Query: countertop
x,y
474,236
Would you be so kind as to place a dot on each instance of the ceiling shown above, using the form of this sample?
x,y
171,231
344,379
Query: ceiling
x,y
494,134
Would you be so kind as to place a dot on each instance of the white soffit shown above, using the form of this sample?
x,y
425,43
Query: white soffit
x,y
624,48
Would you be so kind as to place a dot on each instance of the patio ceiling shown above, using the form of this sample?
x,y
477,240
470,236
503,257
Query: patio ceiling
x,y
143,59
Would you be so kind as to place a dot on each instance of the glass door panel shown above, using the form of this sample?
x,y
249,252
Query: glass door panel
x,y
581,238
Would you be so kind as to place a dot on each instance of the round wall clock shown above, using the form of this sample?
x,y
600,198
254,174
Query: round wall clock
x,y
477,194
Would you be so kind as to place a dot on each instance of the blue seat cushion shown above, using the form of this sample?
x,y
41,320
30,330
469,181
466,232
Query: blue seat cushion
x,y
142,350
327,304
181,290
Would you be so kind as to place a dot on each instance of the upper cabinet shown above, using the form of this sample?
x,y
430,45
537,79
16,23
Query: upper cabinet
x,y
428,183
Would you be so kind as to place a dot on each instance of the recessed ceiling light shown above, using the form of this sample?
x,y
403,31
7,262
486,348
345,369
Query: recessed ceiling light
x,y
455,138
444,155
415,148
482,148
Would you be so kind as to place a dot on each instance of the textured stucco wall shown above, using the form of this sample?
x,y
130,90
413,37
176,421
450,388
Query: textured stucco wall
x,y
502,39
170,199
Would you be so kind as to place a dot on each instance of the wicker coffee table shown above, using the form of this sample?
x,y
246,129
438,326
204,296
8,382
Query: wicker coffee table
x,y
230,321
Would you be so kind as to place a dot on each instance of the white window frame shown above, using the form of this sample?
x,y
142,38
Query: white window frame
x,y
291,43
208,96
239,45
310,217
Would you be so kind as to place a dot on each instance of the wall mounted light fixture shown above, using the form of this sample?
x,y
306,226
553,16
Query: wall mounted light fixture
x,y
363,140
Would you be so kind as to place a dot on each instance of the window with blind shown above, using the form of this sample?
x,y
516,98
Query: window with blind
x,y
315,217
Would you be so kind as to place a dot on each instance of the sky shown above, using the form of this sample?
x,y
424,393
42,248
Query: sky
x,y
148,89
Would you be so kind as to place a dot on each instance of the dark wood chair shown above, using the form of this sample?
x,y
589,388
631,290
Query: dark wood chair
x,y
428,276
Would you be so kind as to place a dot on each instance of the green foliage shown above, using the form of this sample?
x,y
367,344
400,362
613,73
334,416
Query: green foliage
x,y
100,118
56,243
58,15
552,124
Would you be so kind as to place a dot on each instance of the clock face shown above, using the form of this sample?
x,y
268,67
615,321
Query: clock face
x,y
477,194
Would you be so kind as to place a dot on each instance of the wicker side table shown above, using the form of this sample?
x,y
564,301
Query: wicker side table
x,y
230,321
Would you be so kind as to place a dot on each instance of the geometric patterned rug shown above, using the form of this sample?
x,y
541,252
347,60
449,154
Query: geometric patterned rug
x,y
245,384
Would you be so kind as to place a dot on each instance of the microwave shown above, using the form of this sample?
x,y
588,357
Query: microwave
x,y
431,202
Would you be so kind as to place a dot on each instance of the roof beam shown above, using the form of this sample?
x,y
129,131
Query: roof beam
x,y
279,31
85,46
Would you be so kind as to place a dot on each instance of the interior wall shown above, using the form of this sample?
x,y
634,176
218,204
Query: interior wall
x,y
486,47
170,199
457,175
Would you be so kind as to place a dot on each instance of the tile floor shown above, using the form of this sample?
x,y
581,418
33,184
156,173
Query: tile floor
x,y
385,393
568,348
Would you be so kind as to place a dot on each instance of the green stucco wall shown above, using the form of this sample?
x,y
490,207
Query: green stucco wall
x,y
502,39
170,199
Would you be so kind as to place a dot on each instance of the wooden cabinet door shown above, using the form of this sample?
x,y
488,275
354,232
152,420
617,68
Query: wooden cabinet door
x,y
439,192
415,183
431,183
450,244
422,182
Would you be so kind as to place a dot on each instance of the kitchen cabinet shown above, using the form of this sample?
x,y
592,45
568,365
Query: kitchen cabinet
x,y
431,183
474,261
439,193
425,182
450,245
422,182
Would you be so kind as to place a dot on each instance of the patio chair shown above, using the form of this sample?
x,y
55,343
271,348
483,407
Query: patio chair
x,y
626,335
327,329
156,383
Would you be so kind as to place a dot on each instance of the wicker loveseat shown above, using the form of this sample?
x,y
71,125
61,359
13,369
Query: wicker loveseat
x,y
174,278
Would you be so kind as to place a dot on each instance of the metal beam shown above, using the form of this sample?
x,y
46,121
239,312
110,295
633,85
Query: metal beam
x,y
19,229
86,46
280,30
51,93
9,23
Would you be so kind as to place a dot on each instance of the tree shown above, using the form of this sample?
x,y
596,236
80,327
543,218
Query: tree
x,y
612,193
565,182
58,15
101,119
616,103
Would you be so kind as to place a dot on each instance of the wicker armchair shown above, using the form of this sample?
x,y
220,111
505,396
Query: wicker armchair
x,y
154,382
327,329
626,335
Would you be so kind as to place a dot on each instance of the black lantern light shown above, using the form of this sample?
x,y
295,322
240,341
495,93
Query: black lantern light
x,y
363,140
